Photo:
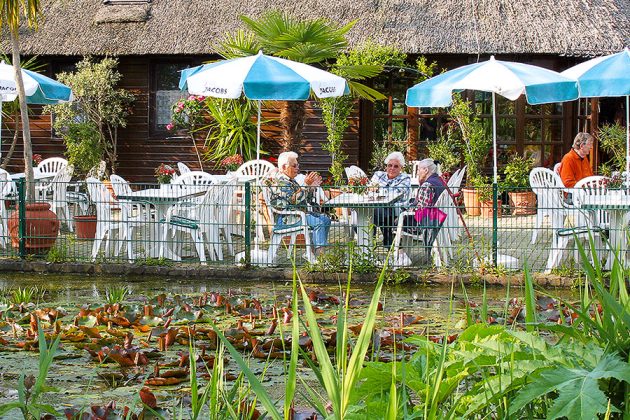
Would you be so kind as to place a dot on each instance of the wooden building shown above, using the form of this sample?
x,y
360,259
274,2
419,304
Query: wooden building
x,y
153,39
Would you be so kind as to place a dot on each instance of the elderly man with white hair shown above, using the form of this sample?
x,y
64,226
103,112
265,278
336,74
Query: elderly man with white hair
x,y
286,193
393,180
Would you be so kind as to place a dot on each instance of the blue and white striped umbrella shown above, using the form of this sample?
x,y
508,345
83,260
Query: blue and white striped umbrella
x,y
261,77
505,78
606,76
39,89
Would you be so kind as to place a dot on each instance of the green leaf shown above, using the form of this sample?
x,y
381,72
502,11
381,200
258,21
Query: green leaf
x,y
579,395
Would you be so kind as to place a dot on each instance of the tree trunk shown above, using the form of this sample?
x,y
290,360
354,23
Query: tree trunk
x,y
292,120
7,158
26,129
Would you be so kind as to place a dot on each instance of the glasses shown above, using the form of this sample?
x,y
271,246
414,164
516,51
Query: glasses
x,y
295,165
389,165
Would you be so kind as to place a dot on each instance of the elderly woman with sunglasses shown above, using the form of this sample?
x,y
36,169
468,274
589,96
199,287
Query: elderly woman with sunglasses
x,y
394,181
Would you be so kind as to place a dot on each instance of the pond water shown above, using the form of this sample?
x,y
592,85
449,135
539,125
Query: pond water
x,y
81,380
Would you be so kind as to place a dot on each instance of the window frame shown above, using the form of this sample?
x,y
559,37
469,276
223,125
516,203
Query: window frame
x,y
155,132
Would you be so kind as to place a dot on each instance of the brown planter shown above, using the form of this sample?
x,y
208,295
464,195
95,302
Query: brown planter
x,y
299,241
522,203
471,201
85,226
41,230
487,209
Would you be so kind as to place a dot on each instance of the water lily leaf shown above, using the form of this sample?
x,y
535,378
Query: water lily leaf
x,y
151,321
87,321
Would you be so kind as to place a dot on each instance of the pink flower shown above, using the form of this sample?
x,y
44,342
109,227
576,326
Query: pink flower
x,y
170,126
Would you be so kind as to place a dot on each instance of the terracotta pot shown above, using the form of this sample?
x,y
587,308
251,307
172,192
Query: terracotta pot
x,y
522,202
471,201
85,226
41,230
487,210
299,241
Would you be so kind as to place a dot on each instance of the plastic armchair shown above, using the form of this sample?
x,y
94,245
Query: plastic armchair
x,y
106,224
453,223
439,242
258,168
590,186
202,222
4,212
183,168
291,230
549,190
354,172
59,200
51,166
133,216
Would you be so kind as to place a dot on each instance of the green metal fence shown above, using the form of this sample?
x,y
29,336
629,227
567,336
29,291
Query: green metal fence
x,y
231,223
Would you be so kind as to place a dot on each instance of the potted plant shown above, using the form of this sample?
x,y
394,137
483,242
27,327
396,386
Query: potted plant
x,y
475,149
516,180
231,163
484,190
447,150
164,173
89,125
85,224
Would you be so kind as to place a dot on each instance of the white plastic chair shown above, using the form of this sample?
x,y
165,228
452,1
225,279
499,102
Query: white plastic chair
x,y
7,191
292,230
567,221
258,168
548,187
441,248
593,186
202,222
105,222
354,172
51,166
58,194
133,215
183,168
453,223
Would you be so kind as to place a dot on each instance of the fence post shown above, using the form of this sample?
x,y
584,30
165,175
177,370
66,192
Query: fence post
x,y
495,215
248,224
22,216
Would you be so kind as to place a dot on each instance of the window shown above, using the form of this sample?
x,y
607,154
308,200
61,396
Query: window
x,y
164,93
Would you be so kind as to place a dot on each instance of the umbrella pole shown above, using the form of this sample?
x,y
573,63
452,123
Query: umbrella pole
x,y
495,183
0,127
627,137
258,134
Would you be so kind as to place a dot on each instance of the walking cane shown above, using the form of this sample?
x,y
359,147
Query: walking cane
x,y
461,217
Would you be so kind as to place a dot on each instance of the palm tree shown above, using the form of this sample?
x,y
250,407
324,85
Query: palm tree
x,y
316,41
11,14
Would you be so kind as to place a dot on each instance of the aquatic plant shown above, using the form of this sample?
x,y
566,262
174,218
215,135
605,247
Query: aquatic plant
x,y
116,294
29,388
23,296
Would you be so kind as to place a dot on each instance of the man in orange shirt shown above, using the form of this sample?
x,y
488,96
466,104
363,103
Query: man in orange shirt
x,y
575,164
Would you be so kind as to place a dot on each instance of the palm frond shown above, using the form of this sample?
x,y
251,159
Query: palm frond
x,y
365,92
358,72
239,44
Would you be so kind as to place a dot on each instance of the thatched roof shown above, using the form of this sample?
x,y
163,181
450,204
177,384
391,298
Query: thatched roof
x,y
564,27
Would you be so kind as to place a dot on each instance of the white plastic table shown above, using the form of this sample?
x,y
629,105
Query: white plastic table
x,y
617,204
364,205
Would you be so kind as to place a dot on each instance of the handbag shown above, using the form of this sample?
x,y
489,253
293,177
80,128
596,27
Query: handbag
x,y
430,214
